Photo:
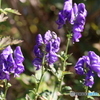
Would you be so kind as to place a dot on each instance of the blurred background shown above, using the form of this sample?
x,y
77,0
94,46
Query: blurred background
x,y
38,16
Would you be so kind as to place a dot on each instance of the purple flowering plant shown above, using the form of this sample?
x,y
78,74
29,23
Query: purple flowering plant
x,y
47,53
47,48
11,63
87,66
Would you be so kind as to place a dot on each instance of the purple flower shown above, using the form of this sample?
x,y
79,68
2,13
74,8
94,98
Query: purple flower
x,y
82,10
89,80
37,63
9,64
51,58
87,65
48,46
39,40
19,58
5,53
4,74
75,15
61,20
67,6
37,51
79,23
94,62
65,14
19,69
79,67
56,44
47,36
76,36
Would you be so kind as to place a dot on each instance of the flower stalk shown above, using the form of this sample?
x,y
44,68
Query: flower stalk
x,y
6,88
42,74
64,62
86,91
0,3
7,85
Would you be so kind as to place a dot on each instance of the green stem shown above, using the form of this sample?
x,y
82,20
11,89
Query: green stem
x,y
6,88
54,89
42,74
64,63
40,82
0,3
86,91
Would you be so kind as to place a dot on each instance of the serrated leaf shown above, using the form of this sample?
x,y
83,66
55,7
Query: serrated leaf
x,y
5,41
16,41
12,11
3,18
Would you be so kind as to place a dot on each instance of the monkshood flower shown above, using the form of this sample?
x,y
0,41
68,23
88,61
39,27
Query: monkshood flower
x,y
48,46
89,80
75,15
18,58
11,62
87,65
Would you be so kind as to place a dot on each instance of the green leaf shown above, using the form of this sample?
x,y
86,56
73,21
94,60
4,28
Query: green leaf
x,y
68,63
90,97
10,10
66,72
60,57
66,90
3,11
27,97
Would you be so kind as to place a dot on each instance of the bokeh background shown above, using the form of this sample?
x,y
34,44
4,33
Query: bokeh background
x,y
38,16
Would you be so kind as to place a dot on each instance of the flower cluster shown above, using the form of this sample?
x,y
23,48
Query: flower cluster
x,y
87,65
11,62
47,46
75,15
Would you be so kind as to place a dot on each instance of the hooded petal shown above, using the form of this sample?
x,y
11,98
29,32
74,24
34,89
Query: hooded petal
x,y
79,67
47,36
89,80
5,53
51,58
39,39
18,56
37,63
